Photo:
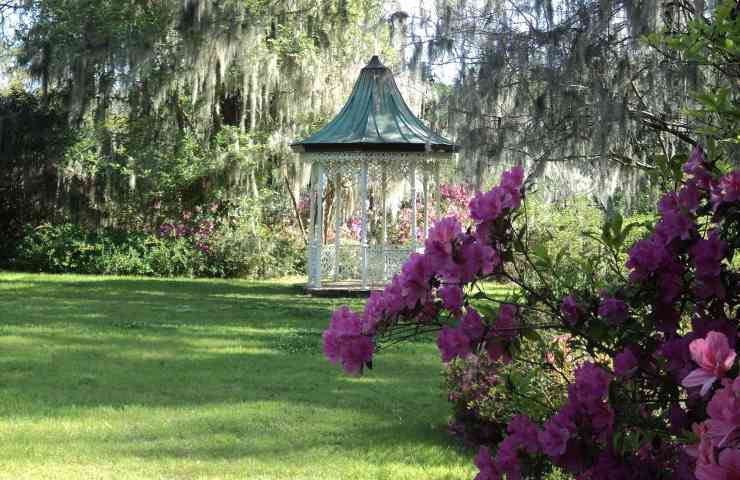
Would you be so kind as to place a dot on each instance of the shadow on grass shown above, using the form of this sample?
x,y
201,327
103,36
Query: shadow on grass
x,y
149,303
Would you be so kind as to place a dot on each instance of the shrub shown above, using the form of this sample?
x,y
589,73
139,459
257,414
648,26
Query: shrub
x,y
654,352
203,242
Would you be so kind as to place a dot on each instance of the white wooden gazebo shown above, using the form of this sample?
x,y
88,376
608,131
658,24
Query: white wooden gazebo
x,y
374,140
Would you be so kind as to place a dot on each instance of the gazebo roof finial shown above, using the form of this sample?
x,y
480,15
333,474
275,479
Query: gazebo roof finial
x,y
375,63
375,118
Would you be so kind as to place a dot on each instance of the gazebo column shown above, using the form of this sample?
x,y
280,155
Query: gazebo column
x,y
364,245
384,195
319,233
438,197
413,206
337,223
312,231
426,204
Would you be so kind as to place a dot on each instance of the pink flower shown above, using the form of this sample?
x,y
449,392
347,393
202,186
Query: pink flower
x,y
445,231
440,245
723,425
477,259
373,312
414,279
727,468
345,342
452,342
512,180
714,357
491,205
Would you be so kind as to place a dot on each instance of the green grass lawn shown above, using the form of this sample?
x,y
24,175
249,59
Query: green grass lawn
x,y
129,378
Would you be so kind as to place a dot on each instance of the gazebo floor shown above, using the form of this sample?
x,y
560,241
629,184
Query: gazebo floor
x,y
345,288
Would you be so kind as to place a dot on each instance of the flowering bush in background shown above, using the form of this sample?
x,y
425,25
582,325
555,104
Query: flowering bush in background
x,y
653,391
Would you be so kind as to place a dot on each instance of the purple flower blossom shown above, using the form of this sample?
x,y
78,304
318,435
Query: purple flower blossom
x,y
570,310
506,323
696,167
613,310
591,385
472,325
625,362
727,191
524,432
645,258
487,469
452,342
707,255
506,459
452,298
553,439
674,224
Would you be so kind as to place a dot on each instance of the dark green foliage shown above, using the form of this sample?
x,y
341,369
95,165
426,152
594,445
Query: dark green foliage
x,y
33,136
68,248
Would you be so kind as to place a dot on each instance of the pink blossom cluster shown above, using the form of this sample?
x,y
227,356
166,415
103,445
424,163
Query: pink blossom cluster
x,y
346,340
194,225
456,193
585,417
434,281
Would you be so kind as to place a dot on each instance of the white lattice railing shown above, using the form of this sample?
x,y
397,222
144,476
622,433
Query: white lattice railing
x,y
383,263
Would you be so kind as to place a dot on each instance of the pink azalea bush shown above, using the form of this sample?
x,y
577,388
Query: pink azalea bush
x,y
656,393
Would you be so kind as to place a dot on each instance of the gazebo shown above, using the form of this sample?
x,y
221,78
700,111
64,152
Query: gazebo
x,y
374,139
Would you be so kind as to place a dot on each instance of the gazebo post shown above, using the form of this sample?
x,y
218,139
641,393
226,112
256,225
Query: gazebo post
x,y
363,245
413,206
438,196
319,226
383,187
337,223
312,231
426,204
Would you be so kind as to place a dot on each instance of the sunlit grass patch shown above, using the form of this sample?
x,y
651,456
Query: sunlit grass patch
x,y
130,378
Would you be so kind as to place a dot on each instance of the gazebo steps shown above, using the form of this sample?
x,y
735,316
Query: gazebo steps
x,y
346,288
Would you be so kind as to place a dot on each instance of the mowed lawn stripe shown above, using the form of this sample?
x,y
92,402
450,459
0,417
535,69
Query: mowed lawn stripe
x,y
113,377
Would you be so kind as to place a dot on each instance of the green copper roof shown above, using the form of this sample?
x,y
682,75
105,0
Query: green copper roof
x,y
375,118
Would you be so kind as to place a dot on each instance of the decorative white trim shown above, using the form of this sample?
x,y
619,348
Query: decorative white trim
x,y
351,162
383,263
